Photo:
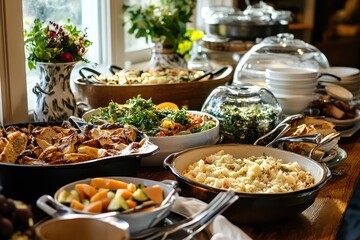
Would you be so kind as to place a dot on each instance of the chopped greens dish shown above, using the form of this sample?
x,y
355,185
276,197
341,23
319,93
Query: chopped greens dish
x,y
144,115
245,124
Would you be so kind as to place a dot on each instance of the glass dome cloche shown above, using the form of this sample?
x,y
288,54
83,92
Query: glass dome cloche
x,y
245,112
281,50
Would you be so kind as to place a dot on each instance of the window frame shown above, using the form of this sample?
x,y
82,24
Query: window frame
x,y
12,64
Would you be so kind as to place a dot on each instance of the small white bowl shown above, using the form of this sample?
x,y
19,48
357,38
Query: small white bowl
x,y
300,81
342,72
303,81
289,85
292,104
294,91
290,73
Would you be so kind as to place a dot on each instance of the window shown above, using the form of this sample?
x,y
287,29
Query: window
x,y
104,20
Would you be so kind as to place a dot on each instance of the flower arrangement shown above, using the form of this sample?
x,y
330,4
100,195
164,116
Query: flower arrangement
x,y
164,22
54,43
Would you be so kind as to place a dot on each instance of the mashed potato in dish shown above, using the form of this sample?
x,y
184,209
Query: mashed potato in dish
x,y
262,174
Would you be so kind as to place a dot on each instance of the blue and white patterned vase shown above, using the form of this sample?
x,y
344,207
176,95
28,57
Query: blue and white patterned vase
x,y
55,100
165,56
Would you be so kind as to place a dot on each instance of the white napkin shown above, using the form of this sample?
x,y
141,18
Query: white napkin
x,y
220,227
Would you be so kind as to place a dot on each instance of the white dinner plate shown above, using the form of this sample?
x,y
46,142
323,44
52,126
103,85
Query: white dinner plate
x,y
349,132
342,72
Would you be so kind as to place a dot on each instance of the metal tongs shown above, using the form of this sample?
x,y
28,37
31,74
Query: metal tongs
x,y
312,138
284,125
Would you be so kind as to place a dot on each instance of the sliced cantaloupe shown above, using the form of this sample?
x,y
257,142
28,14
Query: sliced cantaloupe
x,y
99,195
131,203
105,203
75,204
94,207
85,190
155,193
108,183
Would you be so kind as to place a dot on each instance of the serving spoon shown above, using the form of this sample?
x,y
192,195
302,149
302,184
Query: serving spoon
x,y
328,138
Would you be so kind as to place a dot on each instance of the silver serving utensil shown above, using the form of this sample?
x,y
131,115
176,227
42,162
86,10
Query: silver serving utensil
x,y
325,140
313,138
220,200
281,134
288,119
169,196
206,220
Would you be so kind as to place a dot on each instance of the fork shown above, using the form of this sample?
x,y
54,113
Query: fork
x,y
221,201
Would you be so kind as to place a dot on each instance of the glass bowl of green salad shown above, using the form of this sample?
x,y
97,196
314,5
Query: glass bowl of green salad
x,y
245,112
171,129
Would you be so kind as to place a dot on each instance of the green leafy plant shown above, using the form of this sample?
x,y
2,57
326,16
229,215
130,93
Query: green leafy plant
x,y
164,22
54,43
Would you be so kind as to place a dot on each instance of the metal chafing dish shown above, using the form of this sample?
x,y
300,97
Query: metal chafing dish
x,y
256,21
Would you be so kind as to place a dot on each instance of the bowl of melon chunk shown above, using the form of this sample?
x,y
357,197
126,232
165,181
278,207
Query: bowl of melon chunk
x,y
142,203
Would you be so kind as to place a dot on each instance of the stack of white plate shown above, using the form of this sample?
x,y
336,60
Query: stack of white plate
x,y
294,88
349,78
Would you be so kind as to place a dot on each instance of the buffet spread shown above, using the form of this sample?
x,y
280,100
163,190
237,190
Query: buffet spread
x,y
254,150
227,137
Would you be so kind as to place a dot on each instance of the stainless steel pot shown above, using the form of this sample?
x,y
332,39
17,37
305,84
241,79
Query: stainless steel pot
x,y
251,208
256,21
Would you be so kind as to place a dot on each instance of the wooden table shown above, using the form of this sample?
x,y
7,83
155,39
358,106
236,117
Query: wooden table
x,y
323,218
